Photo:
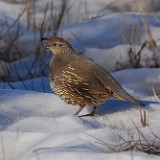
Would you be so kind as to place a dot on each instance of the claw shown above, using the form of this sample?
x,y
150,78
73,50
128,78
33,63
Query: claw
x,y
90,114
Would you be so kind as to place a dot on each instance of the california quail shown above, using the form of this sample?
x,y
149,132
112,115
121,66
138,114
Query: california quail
x,y
80,81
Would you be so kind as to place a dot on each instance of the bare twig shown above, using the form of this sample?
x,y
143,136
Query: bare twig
x,y
143,118
60,17
135,57
138,55
155,94
14,23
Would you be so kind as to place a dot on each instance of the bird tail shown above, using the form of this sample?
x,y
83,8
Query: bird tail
x,y
124,96
112,85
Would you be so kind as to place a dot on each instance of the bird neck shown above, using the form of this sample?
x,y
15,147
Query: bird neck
x,y
59,62
66,52
63,56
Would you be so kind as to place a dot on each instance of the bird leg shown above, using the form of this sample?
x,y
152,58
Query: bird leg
x,y
79,110
90,114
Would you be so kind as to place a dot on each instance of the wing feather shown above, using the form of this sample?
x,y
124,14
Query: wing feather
x,y
111,84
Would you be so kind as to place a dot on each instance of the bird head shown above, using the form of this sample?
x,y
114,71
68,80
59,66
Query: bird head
x,y
57,45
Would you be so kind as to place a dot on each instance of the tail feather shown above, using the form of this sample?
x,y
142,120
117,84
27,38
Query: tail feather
x,y
123,95
112,85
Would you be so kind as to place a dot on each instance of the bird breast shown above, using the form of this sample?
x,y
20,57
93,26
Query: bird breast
x,y
66,84
76,84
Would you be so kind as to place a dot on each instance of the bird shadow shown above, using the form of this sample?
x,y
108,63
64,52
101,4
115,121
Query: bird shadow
x,y
112,106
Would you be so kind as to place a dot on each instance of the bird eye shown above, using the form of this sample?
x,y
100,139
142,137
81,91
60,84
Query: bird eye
x,y
54,44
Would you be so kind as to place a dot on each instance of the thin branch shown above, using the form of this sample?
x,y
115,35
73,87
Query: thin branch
x,y
14,22
155,94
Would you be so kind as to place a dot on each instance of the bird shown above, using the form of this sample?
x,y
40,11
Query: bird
x,y
80,81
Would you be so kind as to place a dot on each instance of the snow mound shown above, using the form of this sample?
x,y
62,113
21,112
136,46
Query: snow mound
x,y
39,125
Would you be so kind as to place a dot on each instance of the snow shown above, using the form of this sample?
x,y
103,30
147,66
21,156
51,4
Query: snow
x,y
39,125
106,31
102,38
109,31
36,125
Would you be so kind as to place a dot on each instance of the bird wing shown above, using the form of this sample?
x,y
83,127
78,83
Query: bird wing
x,y
111,84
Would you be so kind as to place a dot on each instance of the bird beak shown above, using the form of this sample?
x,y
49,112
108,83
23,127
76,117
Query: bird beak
x,y
47,47
44,38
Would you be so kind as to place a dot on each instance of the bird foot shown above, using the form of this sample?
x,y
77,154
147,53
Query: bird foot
x,y
90,114
87,115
